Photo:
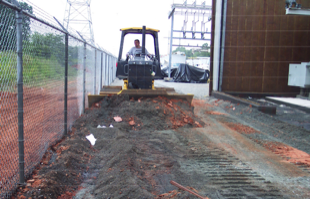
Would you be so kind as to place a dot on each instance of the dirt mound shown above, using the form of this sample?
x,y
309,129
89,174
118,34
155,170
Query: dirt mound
x,y
60,170
150,114
130,158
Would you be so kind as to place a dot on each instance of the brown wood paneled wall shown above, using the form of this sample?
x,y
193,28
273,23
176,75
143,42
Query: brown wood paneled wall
x,y
260,43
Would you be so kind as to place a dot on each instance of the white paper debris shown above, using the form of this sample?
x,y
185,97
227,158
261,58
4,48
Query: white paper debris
x,y
101,126
111,126
91,139
118,119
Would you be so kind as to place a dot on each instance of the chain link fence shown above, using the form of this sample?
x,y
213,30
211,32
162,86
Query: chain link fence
x,y
42,95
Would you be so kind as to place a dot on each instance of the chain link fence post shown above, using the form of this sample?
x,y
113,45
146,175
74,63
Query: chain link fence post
x,y
66,85
66,79
101,71
19,43
110,70
113,66
112,60
95,75
84,78
107,68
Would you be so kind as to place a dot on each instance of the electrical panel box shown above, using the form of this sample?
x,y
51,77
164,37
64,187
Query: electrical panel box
x,y
299,75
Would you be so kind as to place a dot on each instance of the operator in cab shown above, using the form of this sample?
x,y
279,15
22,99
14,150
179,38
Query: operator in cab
x,y
136,51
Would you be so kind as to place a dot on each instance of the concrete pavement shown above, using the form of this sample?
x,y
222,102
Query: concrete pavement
x,y
199,90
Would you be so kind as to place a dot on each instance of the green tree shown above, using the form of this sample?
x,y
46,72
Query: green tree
x,y
188,53
8,26
48,45
51,45
202,52
205,46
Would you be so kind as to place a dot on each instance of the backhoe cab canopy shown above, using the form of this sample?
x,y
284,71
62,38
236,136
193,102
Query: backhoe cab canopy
x,y
139,30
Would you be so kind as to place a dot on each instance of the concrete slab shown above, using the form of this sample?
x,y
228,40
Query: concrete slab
x,y
265,109
117,82
301,104
199,90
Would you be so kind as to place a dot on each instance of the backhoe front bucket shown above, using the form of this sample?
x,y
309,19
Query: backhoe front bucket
x,y
138,93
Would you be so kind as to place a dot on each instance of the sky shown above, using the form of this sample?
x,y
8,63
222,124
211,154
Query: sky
x,y
109,17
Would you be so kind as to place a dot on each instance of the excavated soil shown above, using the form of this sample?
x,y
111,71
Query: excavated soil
x,y
160,140
129,159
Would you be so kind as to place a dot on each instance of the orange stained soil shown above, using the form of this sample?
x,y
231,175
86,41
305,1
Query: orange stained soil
x,y
291,154
178,117
215,113
200,103
226,138
241,128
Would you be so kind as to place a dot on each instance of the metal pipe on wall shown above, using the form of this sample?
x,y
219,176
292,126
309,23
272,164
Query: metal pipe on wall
x,y
217,43
212,47
223,34
20,109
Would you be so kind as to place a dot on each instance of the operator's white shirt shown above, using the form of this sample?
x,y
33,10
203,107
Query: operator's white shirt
x,y
134,51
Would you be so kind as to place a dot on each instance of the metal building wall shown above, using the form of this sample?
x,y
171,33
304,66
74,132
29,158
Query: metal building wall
x,y
260,43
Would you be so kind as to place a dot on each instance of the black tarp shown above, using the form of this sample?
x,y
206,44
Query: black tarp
x,y
165,72
187,73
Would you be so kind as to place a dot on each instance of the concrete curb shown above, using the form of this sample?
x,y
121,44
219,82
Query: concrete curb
x,y
265,109
307,110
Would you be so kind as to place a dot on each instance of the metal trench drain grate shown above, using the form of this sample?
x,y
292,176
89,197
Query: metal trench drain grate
x,y
230,176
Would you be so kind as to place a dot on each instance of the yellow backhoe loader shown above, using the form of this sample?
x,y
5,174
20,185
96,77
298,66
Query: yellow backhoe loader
x,y
139,72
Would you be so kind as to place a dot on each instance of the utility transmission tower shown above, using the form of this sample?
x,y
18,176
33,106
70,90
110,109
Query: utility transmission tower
x,y
78,16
